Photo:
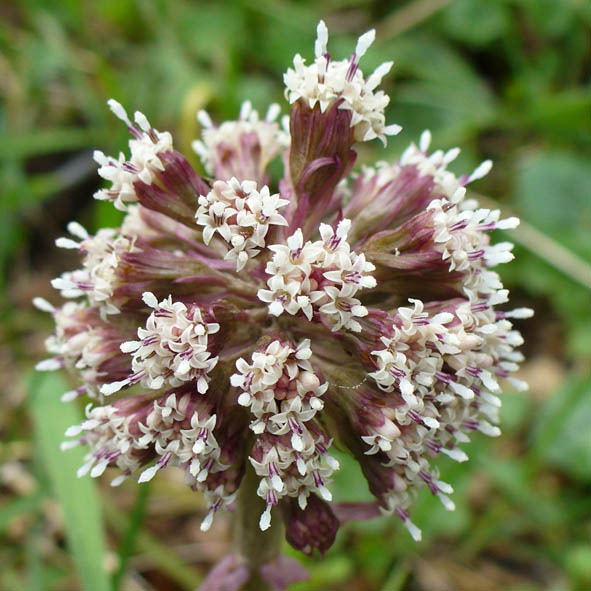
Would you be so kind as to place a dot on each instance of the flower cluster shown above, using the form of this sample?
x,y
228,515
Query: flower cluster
x,y
142,164
328,82
242,328
97,277
284,394
322,275
173,348
242,148
241,215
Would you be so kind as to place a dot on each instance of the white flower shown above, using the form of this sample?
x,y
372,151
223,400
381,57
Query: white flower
x,y
343,308
241,215
142,164
173,348
230,136
322,275
109,441
284,394
461,237
280,388
98,277
326,81
285,297
195,448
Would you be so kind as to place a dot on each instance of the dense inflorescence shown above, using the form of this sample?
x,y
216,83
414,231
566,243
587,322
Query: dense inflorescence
x,y
233,324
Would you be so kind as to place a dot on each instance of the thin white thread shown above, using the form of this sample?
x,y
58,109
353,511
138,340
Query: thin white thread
x,y
350,387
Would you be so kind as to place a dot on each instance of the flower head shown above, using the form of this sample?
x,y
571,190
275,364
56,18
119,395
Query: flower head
x,y
238,324
241,216
144,161
241,148
327,82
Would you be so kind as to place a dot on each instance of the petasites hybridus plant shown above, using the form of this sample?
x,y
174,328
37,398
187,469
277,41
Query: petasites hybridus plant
x,y
240,329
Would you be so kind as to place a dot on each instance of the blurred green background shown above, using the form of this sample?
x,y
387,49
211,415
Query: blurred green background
x,y
503,79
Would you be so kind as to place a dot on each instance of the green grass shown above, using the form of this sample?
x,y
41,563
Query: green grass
x,y
78,497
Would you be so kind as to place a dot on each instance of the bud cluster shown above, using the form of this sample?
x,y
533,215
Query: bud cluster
x,y
242,148
327,82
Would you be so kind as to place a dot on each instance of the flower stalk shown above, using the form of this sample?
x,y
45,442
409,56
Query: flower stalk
x,y
252,545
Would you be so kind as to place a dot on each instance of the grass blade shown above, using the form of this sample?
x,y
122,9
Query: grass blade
x,y
128,542
160,554
78,497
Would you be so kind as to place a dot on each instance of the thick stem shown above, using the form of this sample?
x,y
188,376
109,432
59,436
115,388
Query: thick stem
x,y
254,546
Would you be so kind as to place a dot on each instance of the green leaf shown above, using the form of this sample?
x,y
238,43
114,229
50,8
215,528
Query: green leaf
x,y
578,564
19,506
476,22
36,578
515,411
49,141
513,478
78,497
350,484
443,92
158,552
562,115
550,17
552,191
331,572
562,435
130,537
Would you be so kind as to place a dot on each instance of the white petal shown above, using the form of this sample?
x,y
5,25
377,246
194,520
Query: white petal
x,y
130,346
414,531
320,46
364,42
67,243
481,171
265,520
204,119
43,305
142,121
207,521
108,389
425,140
150,299
48,365
69,396
77,230
119,111
148,474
